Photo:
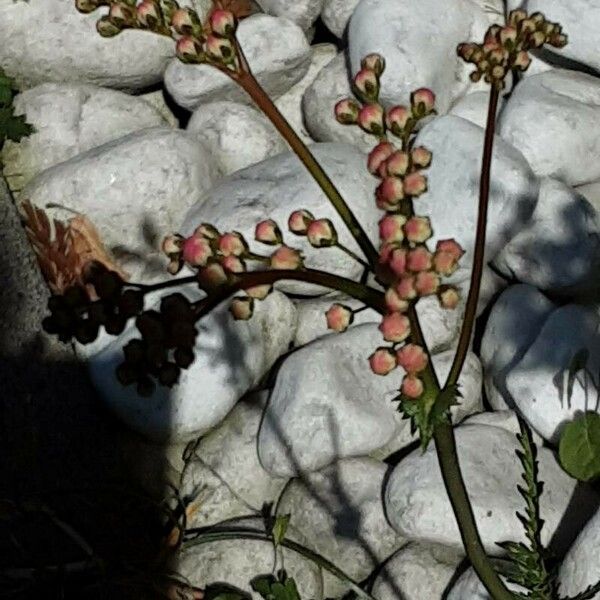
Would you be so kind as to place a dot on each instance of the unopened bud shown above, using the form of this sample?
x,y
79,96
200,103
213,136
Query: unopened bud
x,y
222,22
299,221
427,283
212,275
448,296
370,118
242,308
374,62
232,243
516,16
268,232
418,229
196,251
420,157
412,358
86,6
172,244
422,102
346,111
121,15
391,228
382,361
106,28
412,387
398,118
389,193
419,259
378,155
185,21
415,184
397,164
393,302
366,85
395,327
220,49
148,14
259,292
189,50
286,258
339,317
321,233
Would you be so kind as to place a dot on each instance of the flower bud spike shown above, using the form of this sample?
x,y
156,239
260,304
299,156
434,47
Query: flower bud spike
x,y
382,361
339,317
242,308
268,232
222,22
346,112
374,62
321,233
366,85
299,221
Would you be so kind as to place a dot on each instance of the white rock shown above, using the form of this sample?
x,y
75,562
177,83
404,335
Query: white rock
x,y
418,507
231,357
302,12
237,562
290,103
419,45
237,135
223,476
505,419
48,40
538,381
451,201
559,247
276,50
416,572
135,190
554,119
581,566
70,118
336,15
513,324
582,33
340,513
329,86
591,192
328,404
469,587
473,107
276,187
159,100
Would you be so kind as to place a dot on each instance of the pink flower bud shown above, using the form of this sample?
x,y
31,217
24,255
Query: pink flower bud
x,y
148,14
339,317
299,221
451,246
516,16
466,51
188,49
412,387
207,230
558,40
346,111
419,259
321,233
242,308
395,327
370,118
448,296
196,251
286,258
421,157
390,191
222,22
378,155
382,361
405,287
220,49
527,26
427,283
444,263
268,232
522,60
422,102
121,15
212,275
185,21
233,264
412,358
366,85
397,119
107,29
508,36
397,164
415,184
393,302
374,62
232,243
418,229
385,252
397,261
259,292
390,228
172,244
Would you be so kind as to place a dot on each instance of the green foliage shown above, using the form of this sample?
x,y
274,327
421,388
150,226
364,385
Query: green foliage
x,y
279,528
579,448
527,561
12,127
281,587
425,414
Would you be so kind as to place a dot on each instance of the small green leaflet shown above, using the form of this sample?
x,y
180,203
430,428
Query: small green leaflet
x,y
280,528
579,448
270,588
12,127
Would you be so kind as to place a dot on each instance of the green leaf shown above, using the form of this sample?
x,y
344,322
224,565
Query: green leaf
x,y
579,448
280,528
283,588
223,591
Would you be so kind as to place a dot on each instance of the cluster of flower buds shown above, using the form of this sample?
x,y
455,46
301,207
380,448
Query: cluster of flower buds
x,y
219,256
507,48
166,346
370,115
211,42
102,302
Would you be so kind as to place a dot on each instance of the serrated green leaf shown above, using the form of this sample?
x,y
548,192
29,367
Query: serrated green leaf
x,y
578,363
579,448
280,528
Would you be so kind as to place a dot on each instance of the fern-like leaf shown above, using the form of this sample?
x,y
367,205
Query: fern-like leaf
x,y
527,561
12,127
